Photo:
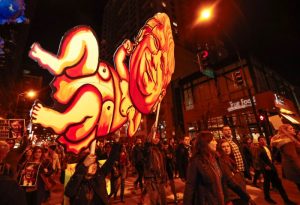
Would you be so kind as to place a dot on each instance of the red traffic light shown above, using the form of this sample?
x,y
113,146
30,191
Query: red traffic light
x,y
261,117
204,54
238,78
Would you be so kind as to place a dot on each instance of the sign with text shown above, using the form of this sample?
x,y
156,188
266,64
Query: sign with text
x,y
29,174
241,104
12,128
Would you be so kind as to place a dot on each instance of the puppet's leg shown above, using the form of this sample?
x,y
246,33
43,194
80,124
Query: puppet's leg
x,y
78,53
134,119
78,120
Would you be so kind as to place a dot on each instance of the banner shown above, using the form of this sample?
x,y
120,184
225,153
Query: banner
x,y
29,174
12,128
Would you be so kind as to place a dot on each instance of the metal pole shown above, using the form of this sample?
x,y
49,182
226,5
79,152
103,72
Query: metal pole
x,y
17,103
246,82
156,120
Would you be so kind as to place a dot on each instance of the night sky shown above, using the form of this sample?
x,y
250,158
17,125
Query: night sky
x,y
269,29
274,34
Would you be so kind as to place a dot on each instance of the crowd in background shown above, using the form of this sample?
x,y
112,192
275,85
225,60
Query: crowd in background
x,y
215,171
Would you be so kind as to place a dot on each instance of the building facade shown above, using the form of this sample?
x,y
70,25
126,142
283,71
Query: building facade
x,y
243,95
194,101
123,19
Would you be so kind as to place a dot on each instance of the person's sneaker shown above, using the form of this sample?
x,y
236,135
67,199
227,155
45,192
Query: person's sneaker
x,y
270,201
289,202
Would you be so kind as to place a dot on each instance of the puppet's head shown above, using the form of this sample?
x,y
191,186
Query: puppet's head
x,y
152,63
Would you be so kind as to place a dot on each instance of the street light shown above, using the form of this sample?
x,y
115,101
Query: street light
x,y
205,15
31,94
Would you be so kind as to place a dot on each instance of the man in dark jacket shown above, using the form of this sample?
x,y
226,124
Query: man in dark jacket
x,y
87,185
155,174
270,174
183,153
138,162
14,154
10,192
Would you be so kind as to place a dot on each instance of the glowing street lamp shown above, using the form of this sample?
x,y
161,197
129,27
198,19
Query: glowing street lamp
x,y
205,14
31,94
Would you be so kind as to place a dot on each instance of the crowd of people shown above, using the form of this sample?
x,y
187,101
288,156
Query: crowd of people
x,y
215,170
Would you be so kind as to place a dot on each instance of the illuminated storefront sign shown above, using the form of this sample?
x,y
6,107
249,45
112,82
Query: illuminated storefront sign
x,y
241,104
278,99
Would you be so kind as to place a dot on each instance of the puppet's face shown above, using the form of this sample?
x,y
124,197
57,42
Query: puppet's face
x,y
152,63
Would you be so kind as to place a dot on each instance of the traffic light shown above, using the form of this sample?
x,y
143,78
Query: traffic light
x,y
261,117
203,58
238,78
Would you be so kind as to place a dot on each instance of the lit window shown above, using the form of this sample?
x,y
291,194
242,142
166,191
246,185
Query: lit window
x,y
188,99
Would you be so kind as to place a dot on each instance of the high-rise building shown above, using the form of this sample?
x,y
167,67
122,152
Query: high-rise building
x,y
123,19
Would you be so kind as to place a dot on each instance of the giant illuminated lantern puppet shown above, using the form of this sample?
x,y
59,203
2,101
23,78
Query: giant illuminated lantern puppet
x,y
99,99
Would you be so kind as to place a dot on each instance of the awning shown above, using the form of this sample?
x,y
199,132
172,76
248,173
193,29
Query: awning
x,y
271,102
275,121
291,118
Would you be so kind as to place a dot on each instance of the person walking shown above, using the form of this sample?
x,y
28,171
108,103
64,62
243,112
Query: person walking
x,y
123,163
228,166
205,178
270,174
183,154
138,162
237,153
169,156
289,146
87,185
10,192
34,177
155,174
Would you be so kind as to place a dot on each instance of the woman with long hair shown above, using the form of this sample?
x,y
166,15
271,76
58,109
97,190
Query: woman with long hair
x,y
205,178
26,156
228,166
289,146
32,177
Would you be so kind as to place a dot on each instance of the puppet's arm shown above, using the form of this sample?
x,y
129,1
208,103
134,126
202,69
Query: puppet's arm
x,y
123,50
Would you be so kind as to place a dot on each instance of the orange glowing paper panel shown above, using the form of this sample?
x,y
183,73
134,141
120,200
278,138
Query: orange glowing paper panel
x,y
97,98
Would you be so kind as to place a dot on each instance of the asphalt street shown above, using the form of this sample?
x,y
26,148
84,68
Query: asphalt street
x,y
132,196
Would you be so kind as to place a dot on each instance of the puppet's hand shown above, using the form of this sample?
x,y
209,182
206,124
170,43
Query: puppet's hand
x,y
90,159
128,46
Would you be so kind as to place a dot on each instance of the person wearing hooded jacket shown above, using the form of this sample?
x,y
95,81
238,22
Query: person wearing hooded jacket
x,y
289,147
87,185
